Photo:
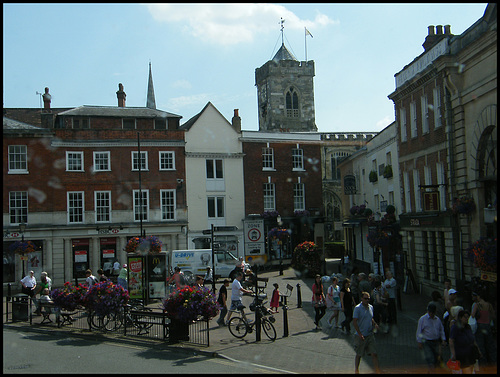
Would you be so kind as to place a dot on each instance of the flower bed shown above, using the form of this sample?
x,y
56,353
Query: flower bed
x,y
306,258
189,303
69,297
105,297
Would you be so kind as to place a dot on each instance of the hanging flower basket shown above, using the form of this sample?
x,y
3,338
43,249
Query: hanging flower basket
x,y
378,238
270,214
464,205
483,253
358,210
387,171
304,213
190,303
306,258
141,246
69,297
105,297
22,247
373,176
277,233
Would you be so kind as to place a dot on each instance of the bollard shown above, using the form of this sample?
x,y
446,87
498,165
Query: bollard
x,y
258,325
299,297
285,321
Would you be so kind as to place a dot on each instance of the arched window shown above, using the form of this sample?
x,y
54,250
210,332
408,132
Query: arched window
x,y
292,103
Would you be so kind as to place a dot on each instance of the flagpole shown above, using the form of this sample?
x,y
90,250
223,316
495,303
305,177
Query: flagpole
x,y
305,41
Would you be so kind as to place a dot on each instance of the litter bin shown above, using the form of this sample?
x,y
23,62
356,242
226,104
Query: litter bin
x,y
20,310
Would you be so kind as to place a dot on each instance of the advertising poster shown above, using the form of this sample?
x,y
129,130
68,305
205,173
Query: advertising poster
x,y
135,277
157,275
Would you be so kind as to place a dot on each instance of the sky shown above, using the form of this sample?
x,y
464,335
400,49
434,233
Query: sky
x,y
209,52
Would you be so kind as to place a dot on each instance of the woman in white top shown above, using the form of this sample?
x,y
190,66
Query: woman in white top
x,y
333,301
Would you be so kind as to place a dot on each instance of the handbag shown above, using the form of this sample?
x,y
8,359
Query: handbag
x,y
453,364
473,324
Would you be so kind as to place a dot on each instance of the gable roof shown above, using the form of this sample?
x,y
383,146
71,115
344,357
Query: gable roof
x,y
186,126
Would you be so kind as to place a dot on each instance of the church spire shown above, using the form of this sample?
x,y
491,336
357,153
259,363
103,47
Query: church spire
x,y
150,102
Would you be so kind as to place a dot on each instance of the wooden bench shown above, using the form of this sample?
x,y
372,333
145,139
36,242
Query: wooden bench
x,y
62,317
261,286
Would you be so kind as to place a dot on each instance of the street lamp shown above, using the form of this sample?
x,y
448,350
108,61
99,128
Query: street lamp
x,y
278,219
22,228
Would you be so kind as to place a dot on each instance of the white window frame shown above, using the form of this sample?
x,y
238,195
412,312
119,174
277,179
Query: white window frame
x,y
145,204
106,209
100,155
437,107
18,159
269,196
268,158
299,196
297,159
74,155
417,191
440,181
135,159
413,119
18,207
407,191
402,122
217,201
166,160
168,210
425,114
75,211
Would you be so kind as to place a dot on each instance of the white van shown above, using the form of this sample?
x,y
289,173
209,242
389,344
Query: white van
x,y
196,261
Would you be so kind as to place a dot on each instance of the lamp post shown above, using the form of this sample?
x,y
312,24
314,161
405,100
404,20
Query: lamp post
x,y
22,228
278,219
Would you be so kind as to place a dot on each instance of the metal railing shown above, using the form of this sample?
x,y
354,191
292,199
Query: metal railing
x,y
148,323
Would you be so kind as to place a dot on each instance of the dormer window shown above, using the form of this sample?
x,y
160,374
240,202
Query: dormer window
x,y
128,124
81,123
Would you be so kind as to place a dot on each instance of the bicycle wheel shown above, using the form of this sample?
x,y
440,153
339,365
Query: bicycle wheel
x,y
94,321
269,329
237,327
112,321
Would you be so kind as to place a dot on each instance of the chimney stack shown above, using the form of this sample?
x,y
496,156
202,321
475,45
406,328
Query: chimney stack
x,y
46,100
236,121
121,95
447,29
434,37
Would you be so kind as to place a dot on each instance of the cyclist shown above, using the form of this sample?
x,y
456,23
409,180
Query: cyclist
x,y
236,293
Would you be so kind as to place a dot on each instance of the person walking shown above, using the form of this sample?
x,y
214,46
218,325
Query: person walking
x,y
177,278
123,278
102,277
222,300
430,337
116,268
354,284
346,267
438,301
380,306
90,279
390,287
484,313
318,301
333,301
463,346
347,302
363,323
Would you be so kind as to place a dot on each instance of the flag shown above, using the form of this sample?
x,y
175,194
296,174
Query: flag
x,y
308,32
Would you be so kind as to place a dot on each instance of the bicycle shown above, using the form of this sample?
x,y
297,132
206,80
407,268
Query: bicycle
x,y
239,327
113,321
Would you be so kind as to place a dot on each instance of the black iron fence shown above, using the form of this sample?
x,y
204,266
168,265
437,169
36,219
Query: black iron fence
x,y
151,323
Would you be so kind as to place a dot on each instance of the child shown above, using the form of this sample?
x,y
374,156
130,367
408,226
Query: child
x,y
275,298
